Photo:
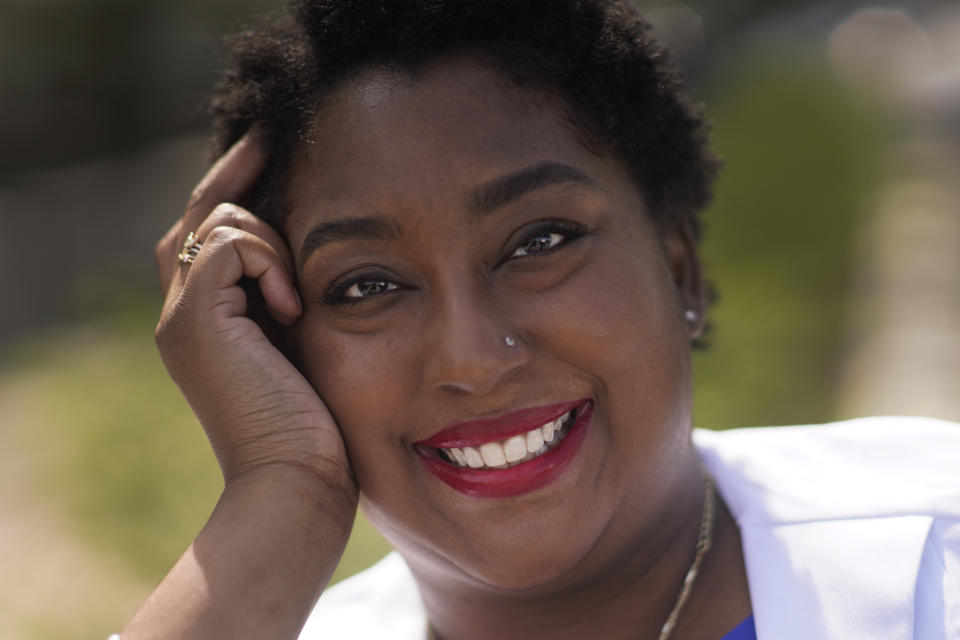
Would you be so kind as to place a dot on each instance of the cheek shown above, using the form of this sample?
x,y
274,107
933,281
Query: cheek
x,y
619,324
357,377
618,309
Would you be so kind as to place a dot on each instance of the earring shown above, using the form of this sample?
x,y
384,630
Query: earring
x,y
509,341
691,316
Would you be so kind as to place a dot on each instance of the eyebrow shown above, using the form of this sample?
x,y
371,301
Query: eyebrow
x,y
484,200
355,228
502,191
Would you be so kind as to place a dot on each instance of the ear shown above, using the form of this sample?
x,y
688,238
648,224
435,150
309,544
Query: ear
x,y
683,261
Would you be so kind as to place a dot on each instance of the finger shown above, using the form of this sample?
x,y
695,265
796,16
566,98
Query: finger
x,y
164,254
230,215
233,175
230,254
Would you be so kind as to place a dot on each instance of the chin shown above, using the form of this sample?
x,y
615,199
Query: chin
x,y
507,554
526,571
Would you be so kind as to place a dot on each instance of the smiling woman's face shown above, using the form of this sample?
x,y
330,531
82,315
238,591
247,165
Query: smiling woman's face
x,y
434,217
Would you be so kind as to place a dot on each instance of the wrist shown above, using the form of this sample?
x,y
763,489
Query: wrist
x,y
305,489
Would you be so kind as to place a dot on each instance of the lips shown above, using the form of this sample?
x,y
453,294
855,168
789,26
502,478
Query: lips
x,y
483,458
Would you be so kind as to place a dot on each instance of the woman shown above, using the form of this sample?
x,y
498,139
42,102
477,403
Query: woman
x,y
472,229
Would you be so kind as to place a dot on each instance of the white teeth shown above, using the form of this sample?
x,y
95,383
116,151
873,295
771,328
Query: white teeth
x,y
515,450
534,441
474,459
492,454
516,447
548,430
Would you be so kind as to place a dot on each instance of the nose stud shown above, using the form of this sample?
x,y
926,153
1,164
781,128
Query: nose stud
x,y
509,341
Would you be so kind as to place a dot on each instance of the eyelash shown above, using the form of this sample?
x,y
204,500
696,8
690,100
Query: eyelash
x,y
569,231
335,296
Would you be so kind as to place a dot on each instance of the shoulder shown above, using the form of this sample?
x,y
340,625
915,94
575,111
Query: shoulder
x,y
850,529
870,467
381,602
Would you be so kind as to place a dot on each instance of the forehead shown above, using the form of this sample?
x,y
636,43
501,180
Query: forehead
x,y
454,101
388,138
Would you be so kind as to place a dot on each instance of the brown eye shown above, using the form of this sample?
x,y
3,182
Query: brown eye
x,y
539,243
366,288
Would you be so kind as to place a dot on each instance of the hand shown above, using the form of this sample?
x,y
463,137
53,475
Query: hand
x,y
257,409
280,527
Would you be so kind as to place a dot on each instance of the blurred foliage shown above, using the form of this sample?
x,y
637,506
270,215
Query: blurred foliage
x,y
802,160
114,441
86,77
117,447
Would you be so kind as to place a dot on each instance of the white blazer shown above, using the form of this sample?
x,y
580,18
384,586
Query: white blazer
x,y
851,531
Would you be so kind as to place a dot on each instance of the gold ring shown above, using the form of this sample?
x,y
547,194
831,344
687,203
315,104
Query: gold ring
x,y
191,248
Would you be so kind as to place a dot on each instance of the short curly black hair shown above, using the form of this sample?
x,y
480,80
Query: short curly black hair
x,y
596,55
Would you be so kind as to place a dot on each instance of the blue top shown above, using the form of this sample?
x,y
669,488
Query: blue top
x,y
744,631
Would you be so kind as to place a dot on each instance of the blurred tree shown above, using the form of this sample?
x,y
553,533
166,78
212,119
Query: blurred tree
x,y
83,79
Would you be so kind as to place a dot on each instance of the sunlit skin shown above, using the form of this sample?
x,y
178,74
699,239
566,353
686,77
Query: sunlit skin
x,y
593,293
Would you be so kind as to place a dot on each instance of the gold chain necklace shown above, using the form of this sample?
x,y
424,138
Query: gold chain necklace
x,y
704,542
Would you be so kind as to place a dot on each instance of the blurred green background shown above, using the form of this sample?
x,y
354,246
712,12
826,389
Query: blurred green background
x,y
105,476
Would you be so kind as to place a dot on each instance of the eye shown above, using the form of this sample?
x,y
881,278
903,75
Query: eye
x,y
538,244
358,289
548,237
367,288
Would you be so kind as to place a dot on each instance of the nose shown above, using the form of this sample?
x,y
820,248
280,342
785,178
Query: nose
x,y
472,347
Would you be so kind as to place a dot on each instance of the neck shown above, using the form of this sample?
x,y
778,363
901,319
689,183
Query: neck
x,y
625,586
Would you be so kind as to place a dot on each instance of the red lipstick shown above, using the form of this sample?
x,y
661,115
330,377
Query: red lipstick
x,y
522,478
